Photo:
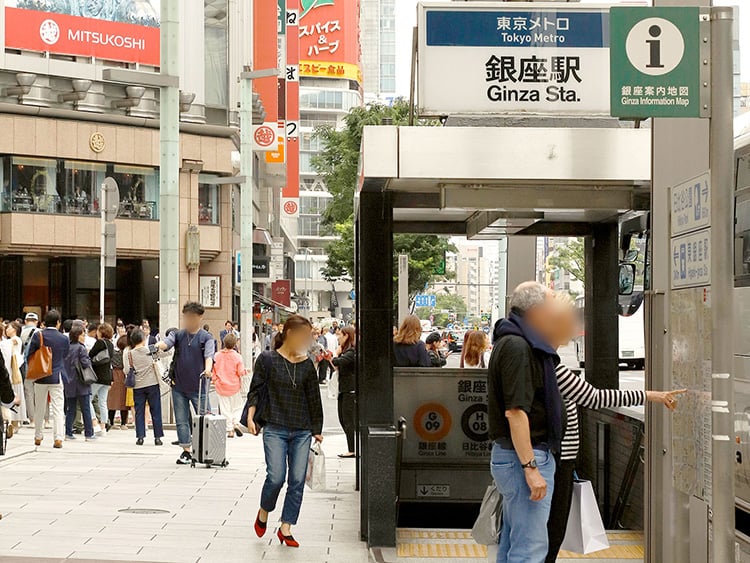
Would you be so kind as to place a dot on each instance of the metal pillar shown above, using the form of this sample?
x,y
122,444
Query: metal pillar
x,y
169,168
247,163
602,335
721,161
374,231
403,287
520,262
246,215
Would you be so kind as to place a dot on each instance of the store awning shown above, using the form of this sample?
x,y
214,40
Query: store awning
x,y
262,236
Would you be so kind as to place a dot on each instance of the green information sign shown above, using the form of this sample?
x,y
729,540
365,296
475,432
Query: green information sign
x,y
655,62
281,23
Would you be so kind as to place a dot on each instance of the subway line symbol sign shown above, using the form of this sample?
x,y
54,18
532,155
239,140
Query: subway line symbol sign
x,y
655,62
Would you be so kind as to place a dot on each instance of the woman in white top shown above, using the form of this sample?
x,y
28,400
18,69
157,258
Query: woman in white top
x,y
11,349
474,350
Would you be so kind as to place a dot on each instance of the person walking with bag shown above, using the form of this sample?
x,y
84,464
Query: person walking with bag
x,y
101,355
346,365
139,362
227,377
12,350
284,400
77,389
48,349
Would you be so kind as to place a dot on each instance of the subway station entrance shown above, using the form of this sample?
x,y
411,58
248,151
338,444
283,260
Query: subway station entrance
x,y
481,183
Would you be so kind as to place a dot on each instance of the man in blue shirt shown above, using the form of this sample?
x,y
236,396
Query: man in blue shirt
x,y
193,361
52,385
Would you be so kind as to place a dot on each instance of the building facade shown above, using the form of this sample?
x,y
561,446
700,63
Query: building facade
x,y
378,23
330,86
67,127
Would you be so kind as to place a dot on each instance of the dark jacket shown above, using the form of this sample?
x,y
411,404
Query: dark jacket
x,y
437,359
7,395
411,355
347,364
60,345
103,371
76,354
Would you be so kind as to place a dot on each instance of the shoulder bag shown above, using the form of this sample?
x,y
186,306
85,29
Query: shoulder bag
x,y
86,375
40,363
130,376
102,357
267,359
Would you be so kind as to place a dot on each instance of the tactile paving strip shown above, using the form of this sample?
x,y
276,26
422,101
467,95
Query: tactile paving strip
x,y
447,544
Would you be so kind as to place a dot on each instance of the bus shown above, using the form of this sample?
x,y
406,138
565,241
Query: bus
x,y
632,338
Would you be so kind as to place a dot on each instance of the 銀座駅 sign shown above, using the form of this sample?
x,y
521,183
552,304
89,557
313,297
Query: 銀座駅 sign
x,y
506,59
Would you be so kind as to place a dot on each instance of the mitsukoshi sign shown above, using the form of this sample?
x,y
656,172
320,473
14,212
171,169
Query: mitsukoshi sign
x,y
475,59
118,30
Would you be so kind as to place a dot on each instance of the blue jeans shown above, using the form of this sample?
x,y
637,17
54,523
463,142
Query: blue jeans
x,y
183,418
523,538
152,395
100,391
285,446
84,401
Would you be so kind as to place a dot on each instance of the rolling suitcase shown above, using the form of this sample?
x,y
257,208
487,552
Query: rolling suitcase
x,y
209,435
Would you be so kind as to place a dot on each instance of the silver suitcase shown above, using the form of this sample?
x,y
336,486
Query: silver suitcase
x,y
209,437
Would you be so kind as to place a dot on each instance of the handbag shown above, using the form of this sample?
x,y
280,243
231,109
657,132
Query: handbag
x,y
15,371
162,376
260,406
315,478
86,375
585,532
486,530
130,376
101,358
40,363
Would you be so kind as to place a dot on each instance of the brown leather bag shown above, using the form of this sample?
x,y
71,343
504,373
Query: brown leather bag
x,y
40,363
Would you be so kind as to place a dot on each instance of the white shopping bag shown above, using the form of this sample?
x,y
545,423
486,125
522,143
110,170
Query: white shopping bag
x,y
486,530
333,385
585,532
316,469
492,550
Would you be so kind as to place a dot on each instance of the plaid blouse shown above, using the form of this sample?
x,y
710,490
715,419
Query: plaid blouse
x,y
293,393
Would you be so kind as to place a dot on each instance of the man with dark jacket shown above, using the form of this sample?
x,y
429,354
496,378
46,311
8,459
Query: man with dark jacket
x,y
526,422
52,385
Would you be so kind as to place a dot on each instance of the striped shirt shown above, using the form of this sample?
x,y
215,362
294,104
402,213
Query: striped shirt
x,y
575,391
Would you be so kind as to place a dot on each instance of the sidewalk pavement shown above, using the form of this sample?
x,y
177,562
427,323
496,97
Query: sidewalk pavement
x,y
69,503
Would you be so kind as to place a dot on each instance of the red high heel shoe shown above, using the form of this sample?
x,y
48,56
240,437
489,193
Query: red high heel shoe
x,y
288,540
260,527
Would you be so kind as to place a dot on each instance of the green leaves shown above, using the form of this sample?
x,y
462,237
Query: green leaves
x,y
571,258
308,5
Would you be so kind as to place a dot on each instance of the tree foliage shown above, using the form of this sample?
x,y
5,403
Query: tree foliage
x,y
571,258
338,165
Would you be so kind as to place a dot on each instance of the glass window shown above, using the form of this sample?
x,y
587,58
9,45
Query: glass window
x,y
81,186
208,200
139,191
33,186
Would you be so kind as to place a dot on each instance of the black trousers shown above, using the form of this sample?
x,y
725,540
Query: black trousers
x,y
562,497
347,413
323,367
123,417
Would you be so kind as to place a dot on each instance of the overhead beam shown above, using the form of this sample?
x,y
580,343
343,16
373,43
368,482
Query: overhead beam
x,y
558,229
430,227
534,199
416,200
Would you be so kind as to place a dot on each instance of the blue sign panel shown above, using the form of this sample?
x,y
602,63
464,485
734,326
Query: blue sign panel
x,y
425,301
542,28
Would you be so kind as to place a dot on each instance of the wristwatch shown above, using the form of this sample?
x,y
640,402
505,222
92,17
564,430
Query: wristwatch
x,y
531,465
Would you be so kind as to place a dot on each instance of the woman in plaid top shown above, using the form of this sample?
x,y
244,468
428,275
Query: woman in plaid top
x,y
285,389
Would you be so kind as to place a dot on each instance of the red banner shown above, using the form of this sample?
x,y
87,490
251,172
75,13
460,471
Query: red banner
x,y
86,37
329,32
281,292
265,46
290,192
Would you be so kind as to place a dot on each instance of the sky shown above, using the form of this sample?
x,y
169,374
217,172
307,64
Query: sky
x,y
406,17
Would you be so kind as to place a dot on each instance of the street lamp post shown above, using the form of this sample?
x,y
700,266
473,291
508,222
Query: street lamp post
x,y
246,202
